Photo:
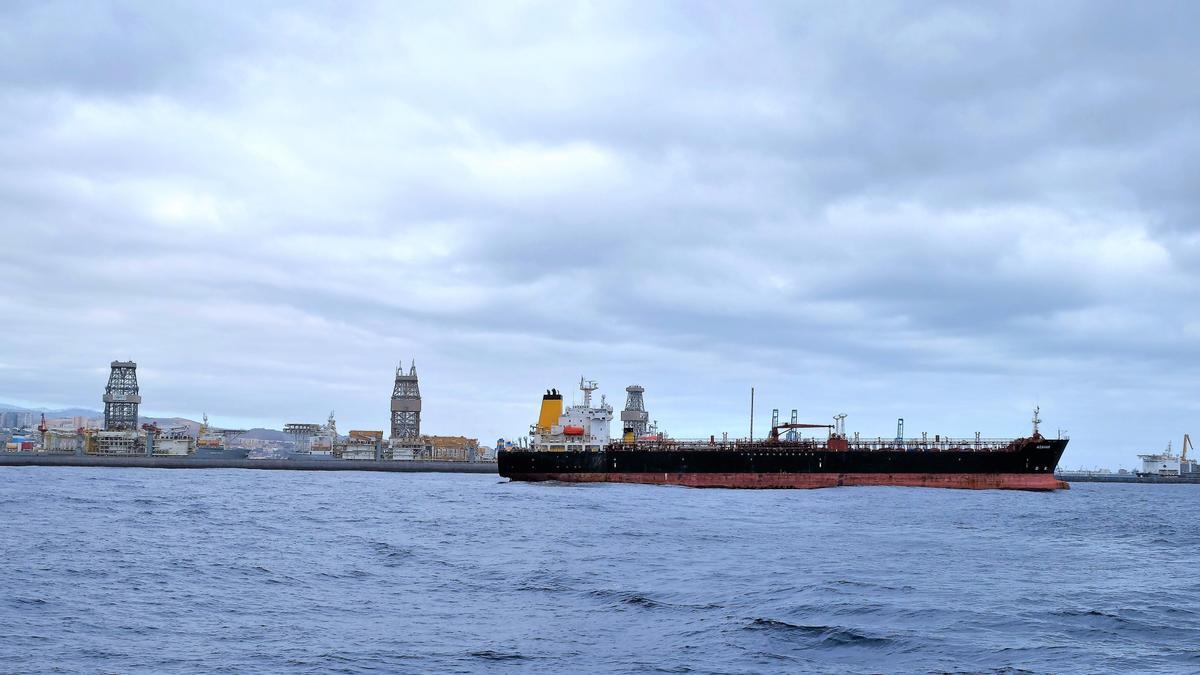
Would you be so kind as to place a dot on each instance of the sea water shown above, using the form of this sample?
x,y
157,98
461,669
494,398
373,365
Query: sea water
x,y
152,570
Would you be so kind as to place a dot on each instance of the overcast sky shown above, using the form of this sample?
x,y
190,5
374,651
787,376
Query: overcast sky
x,y
942,212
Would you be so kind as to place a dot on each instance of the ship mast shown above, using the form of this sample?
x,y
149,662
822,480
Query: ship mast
x,y
1036,421
587,387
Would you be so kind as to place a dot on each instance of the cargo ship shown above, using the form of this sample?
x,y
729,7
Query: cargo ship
x,y
573,445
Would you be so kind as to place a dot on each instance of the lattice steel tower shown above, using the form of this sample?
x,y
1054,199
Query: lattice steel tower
x,y
634,416
121,397
406,405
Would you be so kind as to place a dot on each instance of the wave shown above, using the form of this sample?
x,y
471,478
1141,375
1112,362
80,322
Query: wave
x,y
824,635
492,655
626,598
393,555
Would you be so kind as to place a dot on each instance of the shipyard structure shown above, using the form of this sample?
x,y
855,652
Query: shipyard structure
x,y
573,444
122,436
405,441
1167,464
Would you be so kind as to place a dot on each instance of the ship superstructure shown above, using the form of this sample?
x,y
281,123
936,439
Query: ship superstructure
x,y
579,428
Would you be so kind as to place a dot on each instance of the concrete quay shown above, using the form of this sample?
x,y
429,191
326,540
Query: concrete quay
x,y
400,466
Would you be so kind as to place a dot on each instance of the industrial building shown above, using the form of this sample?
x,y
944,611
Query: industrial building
x,y
360,444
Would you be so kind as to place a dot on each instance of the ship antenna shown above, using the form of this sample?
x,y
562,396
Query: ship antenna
x,y
751,414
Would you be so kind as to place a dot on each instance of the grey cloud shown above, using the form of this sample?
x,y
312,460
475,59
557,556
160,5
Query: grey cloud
x,y
934,210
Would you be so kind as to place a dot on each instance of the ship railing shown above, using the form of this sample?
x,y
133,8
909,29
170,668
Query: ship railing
x,y
945,444
814,444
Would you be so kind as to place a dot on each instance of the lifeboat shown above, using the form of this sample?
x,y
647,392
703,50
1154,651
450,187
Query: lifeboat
x,y
572,431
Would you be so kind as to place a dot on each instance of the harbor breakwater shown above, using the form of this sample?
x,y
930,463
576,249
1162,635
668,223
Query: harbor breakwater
x,y
1085,477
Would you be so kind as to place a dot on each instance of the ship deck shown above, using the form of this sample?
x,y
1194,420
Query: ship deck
x,y
938,444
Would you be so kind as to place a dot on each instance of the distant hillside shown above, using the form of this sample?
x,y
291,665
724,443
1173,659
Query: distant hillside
x,y
73,412
261,434
193,426
170,422
51,412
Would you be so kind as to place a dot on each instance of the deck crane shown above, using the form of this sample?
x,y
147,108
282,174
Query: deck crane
x,y
1187,443
774,437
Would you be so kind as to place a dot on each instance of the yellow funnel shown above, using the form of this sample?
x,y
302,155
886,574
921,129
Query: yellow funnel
x,y
552,407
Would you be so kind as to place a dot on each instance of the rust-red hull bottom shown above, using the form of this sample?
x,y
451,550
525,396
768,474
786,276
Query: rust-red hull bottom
x,y
968,481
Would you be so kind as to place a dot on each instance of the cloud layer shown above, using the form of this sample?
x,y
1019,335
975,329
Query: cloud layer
x,y
932,211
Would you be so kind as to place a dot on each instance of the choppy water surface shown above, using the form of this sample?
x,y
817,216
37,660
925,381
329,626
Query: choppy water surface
x,y
228,570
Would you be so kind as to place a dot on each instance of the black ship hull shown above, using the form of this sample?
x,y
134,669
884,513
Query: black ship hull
x,y
1024,464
